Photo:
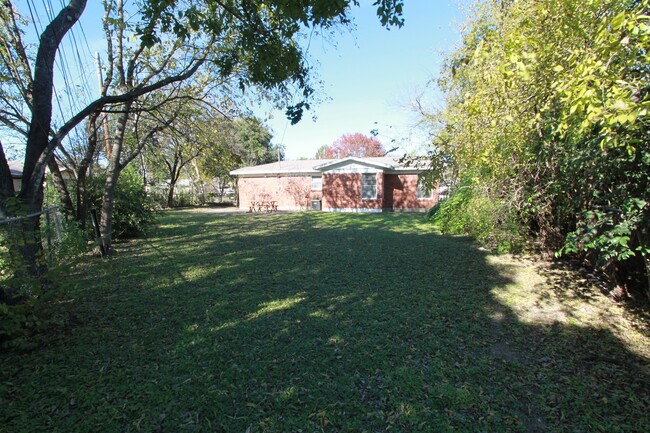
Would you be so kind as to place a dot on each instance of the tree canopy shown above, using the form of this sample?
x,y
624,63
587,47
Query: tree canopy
x,y
545,129
356,144
237,143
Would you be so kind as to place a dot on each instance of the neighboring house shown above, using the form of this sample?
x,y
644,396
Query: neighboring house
x,y
16,168
335,185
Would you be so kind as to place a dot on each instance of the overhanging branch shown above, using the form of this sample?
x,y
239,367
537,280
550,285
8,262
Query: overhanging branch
x,y
107,100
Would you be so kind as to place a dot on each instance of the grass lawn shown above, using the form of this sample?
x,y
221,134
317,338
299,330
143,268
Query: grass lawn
x,y
327,322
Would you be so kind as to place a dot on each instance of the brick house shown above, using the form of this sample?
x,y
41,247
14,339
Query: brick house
x,y
335,185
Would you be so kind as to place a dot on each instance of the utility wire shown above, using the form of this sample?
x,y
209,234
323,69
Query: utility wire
x,y
75,85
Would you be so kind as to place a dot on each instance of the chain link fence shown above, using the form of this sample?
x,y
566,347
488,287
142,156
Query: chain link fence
x,y
15,232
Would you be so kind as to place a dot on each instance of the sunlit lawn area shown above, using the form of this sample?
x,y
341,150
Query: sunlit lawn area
x,y
327,322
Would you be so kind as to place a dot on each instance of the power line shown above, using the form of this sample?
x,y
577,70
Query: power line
x,y
75,84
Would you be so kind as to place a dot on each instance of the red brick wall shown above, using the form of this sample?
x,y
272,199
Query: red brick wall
x,y
343,191
290,192
402,193
340,191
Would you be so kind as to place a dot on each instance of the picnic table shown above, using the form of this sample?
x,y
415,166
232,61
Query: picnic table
x,y
263,205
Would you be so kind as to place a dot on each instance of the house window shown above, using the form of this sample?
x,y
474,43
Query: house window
x,y
317,182
368,186
424,192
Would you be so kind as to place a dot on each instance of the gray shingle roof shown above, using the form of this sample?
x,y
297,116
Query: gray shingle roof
x,y
312,166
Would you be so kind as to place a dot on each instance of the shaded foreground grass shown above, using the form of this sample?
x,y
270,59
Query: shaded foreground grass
x,y
323,322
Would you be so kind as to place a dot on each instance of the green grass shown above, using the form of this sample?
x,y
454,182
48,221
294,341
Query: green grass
x,y
326,322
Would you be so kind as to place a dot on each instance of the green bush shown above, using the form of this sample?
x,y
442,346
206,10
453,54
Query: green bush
x,y
133,210
470,211
186,199
27,304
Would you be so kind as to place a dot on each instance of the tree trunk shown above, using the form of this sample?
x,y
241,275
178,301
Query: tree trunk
x,y
37,153
6,184
174,173
647,275
108,200
201,188
61,188
82,198
112,175
84,168
106,212
170,194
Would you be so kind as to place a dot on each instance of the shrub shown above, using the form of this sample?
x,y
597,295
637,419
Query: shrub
x,y
133,210
26,307
186,199
472,211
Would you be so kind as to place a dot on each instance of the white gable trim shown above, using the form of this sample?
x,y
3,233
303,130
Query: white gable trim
x,y
329,167
353,168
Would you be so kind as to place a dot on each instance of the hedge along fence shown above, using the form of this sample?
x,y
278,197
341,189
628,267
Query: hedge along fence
x,y
25,299
12,233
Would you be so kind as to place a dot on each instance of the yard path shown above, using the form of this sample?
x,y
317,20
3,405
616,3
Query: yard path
x,y
328,322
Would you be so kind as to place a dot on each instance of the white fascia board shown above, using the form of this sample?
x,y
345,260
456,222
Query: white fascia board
x,y
406,170
353,168
252,173
352,160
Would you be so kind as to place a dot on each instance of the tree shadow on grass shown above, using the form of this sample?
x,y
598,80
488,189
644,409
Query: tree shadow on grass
x,y
314,322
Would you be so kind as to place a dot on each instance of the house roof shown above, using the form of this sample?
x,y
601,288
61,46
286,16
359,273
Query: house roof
x,y
317,166
16,168
303,166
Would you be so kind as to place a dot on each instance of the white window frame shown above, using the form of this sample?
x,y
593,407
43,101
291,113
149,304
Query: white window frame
x,y
317,183
368,187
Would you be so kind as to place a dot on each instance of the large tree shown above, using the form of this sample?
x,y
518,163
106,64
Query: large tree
x,y
259,38
198,131
237,143
546,122
356,144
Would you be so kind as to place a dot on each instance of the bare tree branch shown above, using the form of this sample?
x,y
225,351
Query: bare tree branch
x,y
24,80
108,79
14,126
106,100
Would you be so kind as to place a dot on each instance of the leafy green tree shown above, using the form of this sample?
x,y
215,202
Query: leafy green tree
x,y
216,163
321,151
197,133
237,143
546,117
253,142
134,209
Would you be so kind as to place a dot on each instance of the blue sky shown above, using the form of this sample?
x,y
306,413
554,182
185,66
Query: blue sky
x,y
370,75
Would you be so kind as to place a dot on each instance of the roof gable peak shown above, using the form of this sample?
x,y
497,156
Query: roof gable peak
x,y
353,160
